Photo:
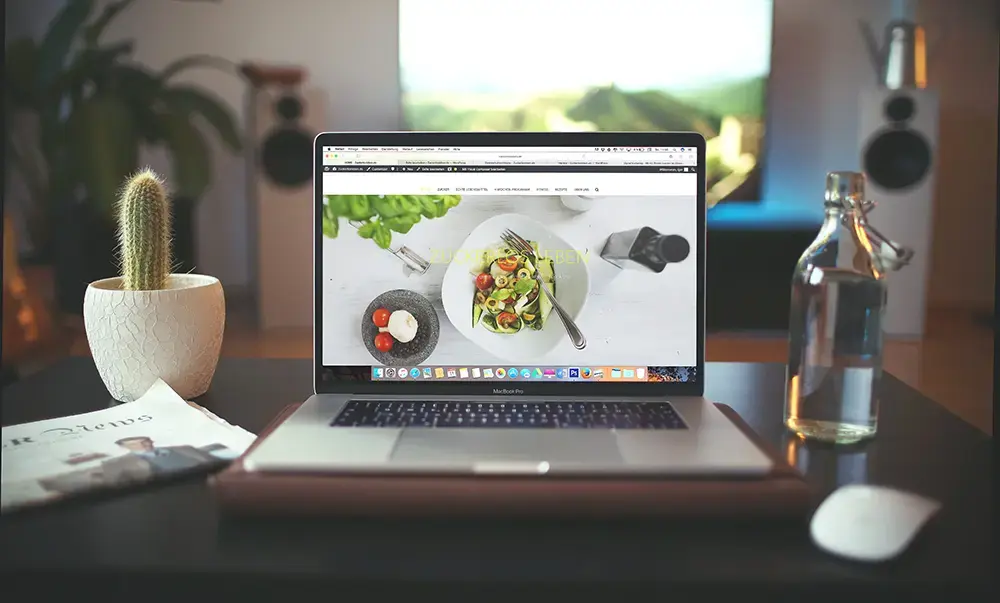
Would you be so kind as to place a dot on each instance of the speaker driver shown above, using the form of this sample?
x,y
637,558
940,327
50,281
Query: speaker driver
x,y
900,109
897,159
286,157
289,107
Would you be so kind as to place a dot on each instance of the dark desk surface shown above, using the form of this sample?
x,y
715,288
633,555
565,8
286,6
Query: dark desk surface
x,y
174,532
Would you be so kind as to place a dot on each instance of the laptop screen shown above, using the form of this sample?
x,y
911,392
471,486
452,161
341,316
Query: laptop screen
x,y
509,264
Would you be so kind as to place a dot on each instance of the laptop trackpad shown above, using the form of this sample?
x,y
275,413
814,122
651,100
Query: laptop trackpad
x,y
595,446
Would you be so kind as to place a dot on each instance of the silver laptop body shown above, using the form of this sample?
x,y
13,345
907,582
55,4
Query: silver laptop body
x,y
575,411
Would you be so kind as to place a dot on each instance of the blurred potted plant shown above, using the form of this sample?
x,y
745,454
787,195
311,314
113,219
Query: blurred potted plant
x,y
94,109
148,323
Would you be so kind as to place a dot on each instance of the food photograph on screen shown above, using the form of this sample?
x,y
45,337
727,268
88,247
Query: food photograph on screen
x,y
632,69
467,286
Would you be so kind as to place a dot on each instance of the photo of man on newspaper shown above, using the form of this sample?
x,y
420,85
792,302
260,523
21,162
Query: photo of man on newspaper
x,y
146,459
157,436
143,461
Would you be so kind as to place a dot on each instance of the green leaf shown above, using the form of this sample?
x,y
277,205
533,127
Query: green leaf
x,y
382,236
450,201
189,101
198,60
502,294
402,224
359,208
331,223
524,285
440,209
105,147
409,204
367,230
20,67
58,40
140,89
387,206
92,64
427,207
92,33
337,204
192,161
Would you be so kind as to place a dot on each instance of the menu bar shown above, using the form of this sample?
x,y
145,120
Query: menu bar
x,y
538,157
485,183
508,149
512,373
512,168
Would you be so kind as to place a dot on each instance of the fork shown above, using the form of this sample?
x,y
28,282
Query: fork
x,y
518,243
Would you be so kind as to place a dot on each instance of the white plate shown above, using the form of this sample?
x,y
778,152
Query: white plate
x,y
572,280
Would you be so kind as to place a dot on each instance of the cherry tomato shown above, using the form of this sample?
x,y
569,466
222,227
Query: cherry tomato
x,y
505,319
383,342
484,281
508,264
381,317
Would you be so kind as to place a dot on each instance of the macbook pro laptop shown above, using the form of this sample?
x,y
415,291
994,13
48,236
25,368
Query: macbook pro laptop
x,y
509,303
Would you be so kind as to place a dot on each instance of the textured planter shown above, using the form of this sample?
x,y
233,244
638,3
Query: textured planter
x,y
174,334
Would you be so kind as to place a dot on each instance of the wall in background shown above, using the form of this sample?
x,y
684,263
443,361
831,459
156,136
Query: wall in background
x,y
348,47
963,269
350,50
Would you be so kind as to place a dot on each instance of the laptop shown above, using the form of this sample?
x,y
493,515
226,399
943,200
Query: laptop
x,y
509,304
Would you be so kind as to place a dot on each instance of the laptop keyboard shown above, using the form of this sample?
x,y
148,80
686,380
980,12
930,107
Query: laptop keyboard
x,y
541,415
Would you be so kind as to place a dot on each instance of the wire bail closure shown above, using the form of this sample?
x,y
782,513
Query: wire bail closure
x,y
893,255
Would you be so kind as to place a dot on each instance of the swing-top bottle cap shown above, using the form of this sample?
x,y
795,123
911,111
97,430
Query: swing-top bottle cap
x,y
845,189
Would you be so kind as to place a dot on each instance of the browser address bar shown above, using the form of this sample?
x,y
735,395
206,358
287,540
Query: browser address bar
x,y
515,157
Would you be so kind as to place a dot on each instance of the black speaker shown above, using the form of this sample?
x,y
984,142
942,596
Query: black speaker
x,y
897,157
287,122
286,149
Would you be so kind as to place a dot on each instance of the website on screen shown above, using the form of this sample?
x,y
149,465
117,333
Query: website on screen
x,y
509,264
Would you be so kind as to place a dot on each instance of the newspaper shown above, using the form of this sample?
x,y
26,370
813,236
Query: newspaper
x,y
157,436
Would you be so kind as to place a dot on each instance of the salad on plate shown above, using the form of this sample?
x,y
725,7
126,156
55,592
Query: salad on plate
x,y
507,297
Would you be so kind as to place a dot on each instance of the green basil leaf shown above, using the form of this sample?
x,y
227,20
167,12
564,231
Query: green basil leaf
x,y
524,285
402,224
385,207
367,230
359,208
338,205
409,204
331,224
439,209
382,237
427,207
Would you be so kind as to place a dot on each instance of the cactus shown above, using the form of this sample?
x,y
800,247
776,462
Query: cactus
x,y
144,233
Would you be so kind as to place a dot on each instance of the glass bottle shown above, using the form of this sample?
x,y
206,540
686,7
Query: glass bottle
x,y
835,327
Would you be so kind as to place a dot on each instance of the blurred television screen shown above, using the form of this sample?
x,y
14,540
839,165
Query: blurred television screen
x,y
629,65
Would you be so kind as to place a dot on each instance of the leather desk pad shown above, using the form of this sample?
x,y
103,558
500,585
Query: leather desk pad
x,y
782,493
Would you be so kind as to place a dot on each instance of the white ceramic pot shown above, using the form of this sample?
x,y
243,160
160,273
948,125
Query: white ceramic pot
x,y
174,334
577,203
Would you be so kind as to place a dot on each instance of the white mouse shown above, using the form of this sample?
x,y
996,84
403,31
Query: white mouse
x,y
870,523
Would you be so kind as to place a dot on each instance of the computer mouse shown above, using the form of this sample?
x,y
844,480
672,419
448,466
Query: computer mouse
x,y
870,523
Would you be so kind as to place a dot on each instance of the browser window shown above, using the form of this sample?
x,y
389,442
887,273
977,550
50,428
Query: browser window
x,y
509,264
